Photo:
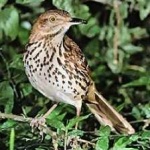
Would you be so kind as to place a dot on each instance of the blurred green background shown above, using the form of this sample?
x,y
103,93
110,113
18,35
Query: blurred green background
x,y
116,43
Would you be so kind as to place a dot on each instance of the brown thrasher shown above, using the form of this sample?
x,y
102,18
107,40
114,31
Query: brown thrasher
x,y
57,68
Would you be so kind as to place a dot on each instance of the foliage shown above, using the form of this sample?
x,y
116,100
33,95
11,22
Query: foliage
x,y
116,44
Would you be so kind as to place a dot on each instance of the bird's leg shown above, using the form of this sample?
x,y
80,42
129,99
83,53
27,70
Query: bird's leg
x,y
78,110
40,122
50,110
75,139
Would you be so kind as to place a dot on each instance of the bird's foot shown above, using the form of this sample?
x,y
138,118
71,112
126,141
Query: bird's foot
x,y
40,124
73,141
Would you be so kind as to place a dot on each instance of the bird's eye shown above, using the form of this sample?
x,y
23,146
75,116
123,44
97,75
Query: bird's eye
x,y
52,19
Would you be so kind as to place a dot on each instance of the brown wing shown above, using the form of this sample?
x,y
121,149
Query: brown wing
x,y
75,56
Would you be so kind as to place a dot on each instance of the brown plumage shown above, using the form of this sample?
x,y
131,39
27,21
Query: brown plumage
x,y
57,68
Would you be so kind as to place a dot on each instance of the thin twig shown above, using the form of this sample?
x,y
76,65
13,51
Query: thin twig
x,y
45,129
104,2
65,140
6,64
116,35
8,72
86,142
138,121
110,3
15,117
136,68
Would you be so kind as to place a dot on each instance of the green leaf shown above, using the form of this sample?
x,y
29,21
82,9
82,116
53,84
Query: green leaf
x,y
136,113
12,139
109,34
75,133
9,22
1,34
102,143
144,9
17,62
74,7
57,124
73,121
134,137
24,32
145,135
126,38
115,66
121,142
140,111
131,49
28,1
26,88
56,113
92,48
65,5
125,149
124,10
104,131
8,124
103,32
55,118
91,29
145,109
142,81
6,96
2,3
138,32
124,141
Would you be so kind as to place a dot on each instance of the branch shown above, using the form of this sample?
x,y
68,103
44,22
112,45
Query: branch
x,y
42,128
107,2
110,3
146,123
15,117
117,28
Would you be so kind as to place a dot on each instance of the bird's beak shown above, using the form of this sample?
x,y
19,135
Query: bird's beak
x,y
75,21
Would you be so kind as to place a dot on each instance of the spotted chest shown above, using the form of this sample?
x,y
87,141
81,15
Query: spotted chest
x,y
50,73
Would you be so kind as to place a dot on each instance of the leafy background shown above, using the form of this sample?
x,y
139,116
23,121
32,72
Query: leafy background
x,y
116,42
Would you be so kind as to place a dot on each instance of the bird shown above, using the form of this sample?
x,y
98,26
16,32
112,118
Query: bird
x,y
58,69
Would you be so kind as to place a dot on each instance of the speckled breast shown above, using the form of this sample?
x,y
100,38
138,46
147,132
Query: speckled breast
x,y
50,74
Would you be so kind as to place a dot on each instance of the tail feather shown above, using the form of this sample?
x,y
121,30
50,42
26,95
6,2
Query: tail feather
x,y
107,115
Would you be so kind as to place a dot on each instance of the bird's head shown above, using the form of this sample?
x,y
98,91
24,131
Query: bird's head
x,y
55,22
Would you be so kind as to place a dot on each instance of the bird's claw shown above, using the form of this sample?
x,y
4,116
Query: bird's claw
x,y
40,124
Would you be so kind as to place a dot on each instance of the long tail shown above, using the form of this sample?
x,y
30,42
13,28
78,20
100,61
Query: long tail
x,y
106,114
